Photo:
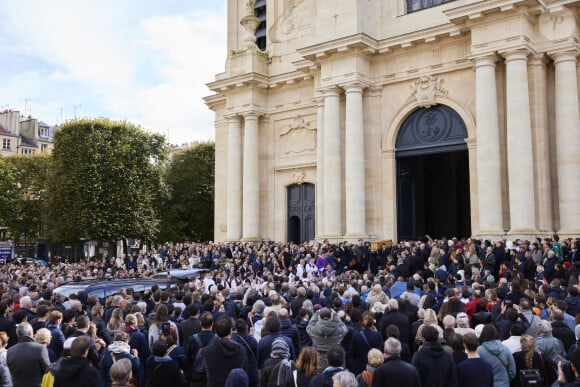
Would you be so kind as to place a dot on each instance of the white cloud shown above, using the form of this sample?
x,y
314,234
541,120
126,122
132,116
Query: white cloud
x,y
118,59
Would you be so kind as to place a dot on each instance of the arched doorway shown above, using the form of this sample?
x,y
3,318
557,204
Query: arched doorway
x,y
433,175
301,212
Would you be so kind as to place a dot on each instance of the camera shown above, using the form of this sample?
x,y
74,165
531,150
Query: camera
x,y
565,364
165,329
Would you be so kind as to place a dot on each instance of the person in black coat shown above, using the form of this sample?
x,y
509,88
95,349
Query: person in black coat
x,y
395,317
161,370
436,367
561,330
395,371
76,370
190,326
223,354
362,342
288,329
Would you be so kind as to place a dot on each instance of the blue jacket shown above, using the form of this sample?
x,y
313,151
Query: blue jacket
x,y
501,360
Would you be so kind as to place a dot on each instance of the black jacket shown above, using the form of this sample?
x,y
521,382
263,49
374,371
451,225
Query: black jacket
x,y
562,331
188,328
289,330
324,379
435,366
396,372
400,320
222,356
76,371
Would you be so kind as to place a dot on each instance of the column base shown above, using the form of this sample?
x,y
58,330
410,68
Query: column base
x,y
564,234
493,235
354,237
251,239
526,233
332,237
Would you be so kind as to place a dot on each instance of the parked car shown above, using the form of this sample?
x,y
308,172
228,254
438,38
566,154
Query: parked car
x,y
103,288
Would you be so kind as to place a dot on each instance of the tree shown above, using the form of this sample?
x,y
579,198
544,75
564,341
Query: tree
x,y
187,212
106,181
23,196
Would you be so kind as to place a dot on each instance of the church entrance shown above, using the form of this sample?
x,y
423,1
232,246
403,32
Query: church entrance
x,y
433,175
301,212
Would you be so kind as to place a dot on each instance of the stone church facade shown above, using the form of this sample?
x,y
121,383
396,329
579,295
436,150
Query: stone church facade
x,y
393,119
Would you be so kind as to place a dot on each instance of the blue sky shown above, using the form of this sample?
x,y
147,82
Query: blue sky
x,y
143,61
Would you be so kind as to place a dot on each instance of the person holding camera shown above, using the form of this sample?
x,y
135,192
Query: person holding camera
x,y
326,329
569,373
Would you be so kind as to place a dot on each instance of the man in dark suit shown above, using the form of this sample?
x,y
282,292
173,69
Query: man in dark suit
x,y
7,325
27,361
191,326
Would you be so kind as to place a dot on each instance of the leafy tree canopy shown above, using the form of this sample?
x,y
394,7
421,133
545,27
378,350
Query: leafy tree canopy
x,y
23,196
106,181
188,210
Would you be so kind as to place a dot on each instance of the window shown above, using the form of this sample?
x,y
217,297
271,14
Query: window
x,y
417,5
43,131
6,143
260,12
26,151
43,147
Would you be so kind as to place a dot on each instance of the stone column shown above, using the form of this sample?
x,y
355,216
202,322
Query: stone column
x,y
567,142
354,163
251,182
541,137
488,146
319,167
234,184
332,165
519,146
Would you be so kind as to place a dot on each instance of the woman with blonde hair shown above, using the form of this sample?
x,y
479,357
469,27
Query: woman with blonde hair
x,y
306,366
528,358
117,322
374,360
430,319
43,336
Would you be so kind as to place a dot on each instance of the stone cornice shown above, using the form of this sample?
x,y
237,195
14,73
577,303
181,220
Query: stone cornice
x,y
477,11
239,81
360,42
425,36
215,102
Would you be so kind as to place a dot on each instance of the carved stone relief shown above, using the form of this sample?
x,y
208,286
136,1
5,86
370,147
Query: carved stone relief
x,y
298,137
287,25
425,91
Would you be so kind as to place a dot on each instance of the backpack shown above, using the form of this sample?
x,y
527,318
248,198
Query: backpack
x,y
198,371
531,378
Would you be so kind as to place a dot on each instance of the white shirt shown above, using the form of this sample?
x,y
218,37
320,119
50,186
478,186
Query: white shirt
x,y
513,344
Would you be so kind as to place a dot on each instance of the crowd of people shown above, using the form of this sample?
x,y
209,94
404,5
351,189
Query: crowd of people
x,y
443,312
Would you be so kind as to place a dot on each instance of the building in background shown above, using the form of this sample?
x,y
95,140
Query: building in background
x,y
22,135
347,119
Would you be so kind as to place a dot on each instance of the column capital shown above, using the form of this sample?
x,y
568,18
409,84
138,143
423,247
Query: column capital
x,y
569,55
538,60
489,59
331,91
374,91
232,118
354,87
517,54
252,116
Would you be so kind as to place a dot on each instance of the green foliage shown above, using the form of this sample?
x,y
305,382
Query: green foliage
x,y
23,193
106,181
188,210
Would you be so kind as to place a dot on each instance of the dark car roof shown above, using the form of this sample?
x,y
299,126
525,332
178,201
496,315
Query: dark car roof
x,y
103,288
180,274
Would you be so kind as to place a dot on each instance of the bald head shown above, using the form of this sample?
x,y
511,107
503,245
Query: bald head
x,y
283,313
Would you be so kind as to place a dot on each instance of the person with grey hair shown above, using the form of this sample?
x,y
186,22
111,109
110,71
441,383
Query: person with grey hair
x,y
344,379
395,371
27,360
547,344
398,318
